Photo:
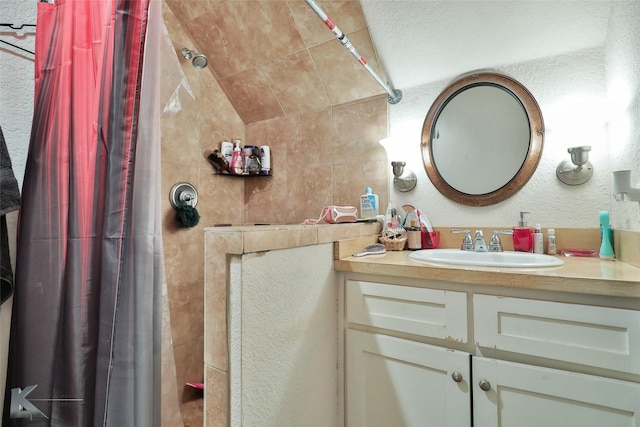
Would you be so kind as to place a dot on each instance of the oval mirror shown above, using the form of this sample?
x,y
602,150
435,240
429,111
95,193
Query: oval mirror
x,y
482,139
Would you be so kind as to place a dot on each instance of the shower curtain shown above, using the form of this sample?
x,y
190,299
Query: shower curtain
x,y
86,317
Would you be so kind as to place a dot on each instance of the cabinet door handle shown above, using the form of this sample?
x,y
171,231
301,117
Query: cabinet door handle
x,y
484,385
457,376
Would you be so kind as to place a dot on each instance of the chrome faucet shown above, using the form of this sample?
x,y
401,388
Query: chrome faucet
x,y
481,245
495,245
467,243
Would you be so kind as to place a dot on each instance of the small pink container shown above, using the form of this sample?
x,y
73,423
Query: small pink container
x,y
430,239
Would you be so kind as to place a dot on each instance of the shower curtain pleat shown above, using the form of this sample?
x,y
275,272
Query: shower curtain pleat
x,y
86,320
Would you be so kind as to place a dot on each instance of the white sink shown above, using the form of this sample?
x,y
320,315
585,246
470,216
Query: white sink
x,y
486,259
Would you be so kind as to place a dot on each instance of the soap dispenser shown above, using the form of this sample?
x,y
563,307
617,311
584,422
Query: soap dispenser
x,y
522,235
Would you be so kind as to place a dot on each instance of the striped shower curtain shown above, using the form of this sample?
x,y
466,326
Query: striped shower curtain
x,y
86,317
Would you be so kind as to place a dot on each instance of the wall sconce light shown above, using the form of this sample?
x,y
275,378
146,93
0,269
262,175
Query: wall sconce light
x,y
577,171
403,180
622,189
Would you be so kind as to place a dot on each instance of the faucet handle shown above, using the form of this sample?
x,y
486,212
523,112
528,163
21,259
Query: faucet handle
x,y
467,243
495,245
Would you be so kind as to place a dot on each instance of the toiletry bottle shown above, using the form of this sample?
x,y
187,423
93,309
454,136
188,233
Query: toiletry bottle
x,y
226,148
538,240
369,205
414,237
265,160
552,249
522,235
606,249
237,166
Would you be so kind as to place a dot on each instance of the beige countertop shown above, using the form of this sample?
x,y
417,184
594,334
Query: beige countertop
x,y
578,275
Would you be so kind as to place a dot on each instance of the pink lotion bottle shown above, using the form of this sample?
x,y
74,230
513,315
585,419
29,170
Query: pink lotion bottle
x,y
237,164
522,235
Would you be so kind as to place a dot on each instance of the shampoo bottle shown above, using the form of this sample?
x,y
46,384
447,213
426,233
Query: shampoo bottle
x,y
606,249
522,235
227,150
237,167
369,205
265,160
552,249
538,240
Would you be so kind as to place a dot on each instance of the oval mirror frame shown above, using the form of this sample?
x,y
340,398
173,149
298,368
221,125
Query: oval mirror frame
x,y
532,158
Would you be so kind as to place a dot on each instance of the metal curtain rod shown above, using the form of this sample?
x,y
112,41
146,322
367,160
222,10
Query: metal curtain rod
x,y
394,95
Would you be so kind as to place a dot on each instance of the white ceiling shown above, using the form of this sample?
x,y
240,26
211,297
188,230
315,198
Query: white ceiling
x,y
422,41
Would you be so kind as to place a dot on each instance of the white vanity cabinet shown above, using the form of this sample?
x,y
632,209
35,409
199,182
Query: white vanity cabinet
x,y
444,354
391,381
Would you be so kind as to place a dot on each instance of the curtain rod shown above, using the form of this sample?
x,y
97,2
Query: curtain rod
x,y
394,95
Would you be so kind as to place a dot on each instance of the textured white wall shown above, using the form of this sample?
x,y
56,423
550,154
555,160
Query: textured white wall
x,y
623,89
289,338
16,81
571,92
587,97
16,111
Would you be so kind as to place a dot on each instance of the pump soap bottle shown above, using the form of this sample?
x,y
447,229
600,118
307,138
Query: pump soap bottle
x,y
522,235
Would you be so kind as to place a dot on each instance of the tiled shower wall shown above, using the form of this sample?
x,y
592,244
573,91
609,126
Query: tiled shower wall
x,y
320,155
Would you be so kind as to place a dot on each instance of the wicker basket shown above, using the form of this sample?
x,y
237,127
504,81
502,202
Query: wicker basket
x,y
393,244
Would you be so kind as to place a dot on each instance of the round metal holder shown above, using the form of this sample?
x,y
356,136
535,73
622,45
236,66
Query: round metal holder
x,y
183,193
577,171
570,174
403,180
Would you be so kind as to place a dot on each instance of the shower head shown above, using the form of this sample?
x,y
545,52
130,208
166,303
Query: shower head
x,y
198,60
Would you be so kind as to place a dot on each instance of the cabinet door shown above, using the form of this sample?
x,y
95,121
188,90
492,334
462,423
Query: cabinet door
x,y
510,394
393,382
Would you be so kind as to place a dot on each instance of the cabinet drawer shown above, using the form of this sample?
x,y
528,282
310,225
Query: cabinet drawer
x,y
594,336
426,312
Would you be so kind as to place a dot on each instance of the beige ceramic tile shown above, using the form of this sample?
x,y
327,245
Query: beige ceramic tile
x,y
189,358
221,198
193,412
188,10
257,241
218,35
311,190
217,398
187,311
218,120
296,83
627,246
309,143
334,232
267,28
344,78
357,129
217,245
351,180
170,409
347,15
252,96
